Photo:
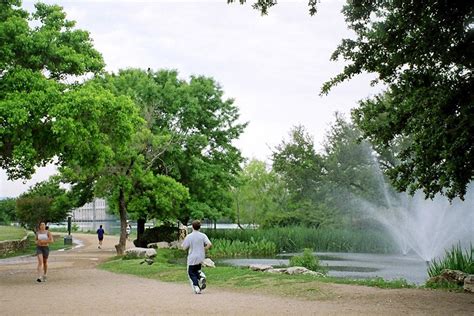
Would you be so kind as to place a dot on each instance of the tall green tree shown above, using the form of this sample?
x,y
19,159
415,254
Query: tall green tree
x,y
422,51
7,210
196,128
38,51
302,169
45,202
260,195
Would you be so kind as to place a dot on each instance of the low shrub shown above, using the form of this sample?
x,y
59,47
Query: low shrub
x,y
307,260
157,234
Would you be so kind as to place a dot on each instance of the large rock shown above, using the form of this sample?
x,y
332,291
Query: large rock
x,y
302,270
208,263
453,276
141,252
176,244
279,270
469,283
260,267
159,245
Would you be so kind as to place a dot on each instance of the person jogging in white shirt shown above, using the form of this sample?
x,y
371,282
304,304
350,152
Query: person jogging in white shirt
x,y
196,243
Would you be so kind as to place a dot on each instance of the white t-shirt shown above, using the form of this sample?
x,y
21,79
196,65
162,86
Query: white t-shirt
x,y
196,241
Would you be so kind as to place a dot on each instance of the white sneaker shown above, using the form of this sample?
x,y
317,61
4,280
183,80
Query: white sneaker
x,y
196,289
44,278
202,280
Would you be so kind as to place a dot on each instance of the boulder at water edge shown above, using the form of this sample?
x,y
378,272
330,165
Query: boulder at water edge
x,y
260,267
469,283
208,263
141,252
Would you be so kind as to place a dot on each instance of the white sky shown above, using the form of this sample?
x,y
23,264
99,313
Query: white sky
x,y
273,66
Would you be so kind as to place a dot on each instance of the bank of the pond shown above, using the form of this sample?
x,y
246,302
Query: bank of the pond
x,y
169,267
359,266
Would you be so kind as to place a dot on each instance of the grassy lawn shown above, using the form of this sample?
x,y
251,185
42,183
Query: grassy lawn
x,y
31,249
11,233
167,269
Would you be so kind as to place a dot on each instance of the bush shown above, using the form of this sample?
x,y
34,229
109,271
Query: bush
x,y
157,234
454,259
307,260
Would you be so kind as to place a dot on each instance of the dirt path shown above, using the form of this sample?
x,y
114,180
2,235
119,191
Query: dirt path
x,y
76,287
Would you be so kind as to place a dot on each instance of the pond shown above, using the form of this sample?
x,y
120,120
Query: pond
x,y
357,265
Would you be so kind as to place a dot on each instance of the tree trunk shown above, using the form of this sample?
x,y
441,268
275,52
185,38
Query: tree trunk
x,y
120,247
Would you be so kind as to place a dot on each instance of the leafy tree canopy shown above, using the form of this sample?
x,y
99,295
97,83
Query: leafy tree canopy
x,y
422,51
195,128
37,52
7,210
46,201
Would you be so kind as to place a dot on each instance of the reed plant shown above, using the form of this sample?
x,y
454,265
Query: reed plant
x,y
225,248
295,239
308,260
455,259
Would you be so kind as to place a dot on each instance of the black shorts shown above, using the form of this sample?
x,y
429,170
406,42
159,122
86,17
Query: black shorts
x,y
43,250
101,238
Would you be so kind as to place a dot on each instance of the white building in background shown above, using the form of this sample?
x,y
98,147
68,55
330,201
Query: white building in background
x,y
91,215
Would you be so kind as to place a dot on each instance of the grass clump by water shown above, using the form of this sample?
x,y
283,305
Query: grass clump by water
x,y
455,259
307,260
225,248
294,239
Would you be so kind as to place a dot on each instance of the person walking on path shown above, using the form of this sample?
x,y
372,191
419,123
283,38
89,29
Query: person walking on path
x,y
43,238
196,243
129,231
100,235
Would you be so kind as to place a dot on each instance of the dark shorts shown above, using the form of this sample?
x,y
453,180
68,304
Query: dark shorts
x,y
43,250
101,238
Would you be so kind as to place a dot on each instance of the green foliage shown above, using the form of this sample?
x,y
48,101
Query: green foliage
x,y
455,259
294,239
259,194
421,51
191,133
38,51
45,202
7,210
308,260
225,248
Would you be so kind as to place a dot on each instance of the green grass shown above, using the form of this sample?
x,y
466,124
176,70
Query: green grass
x,y
31,249
11,233
166,269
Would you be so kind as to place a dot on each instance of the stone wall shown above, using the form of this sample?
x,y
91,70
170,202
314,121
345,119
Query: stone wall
x,y
12,245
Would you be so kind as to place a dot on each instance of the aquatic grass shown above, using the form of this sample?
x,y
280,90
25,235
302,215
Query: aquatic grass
x,y
295,239
307,260
455,259
225,248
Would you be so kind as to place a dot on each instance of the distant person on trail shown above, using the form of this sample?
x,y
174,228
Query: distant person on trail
x,y
100,235
197,243
129,230
43,238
